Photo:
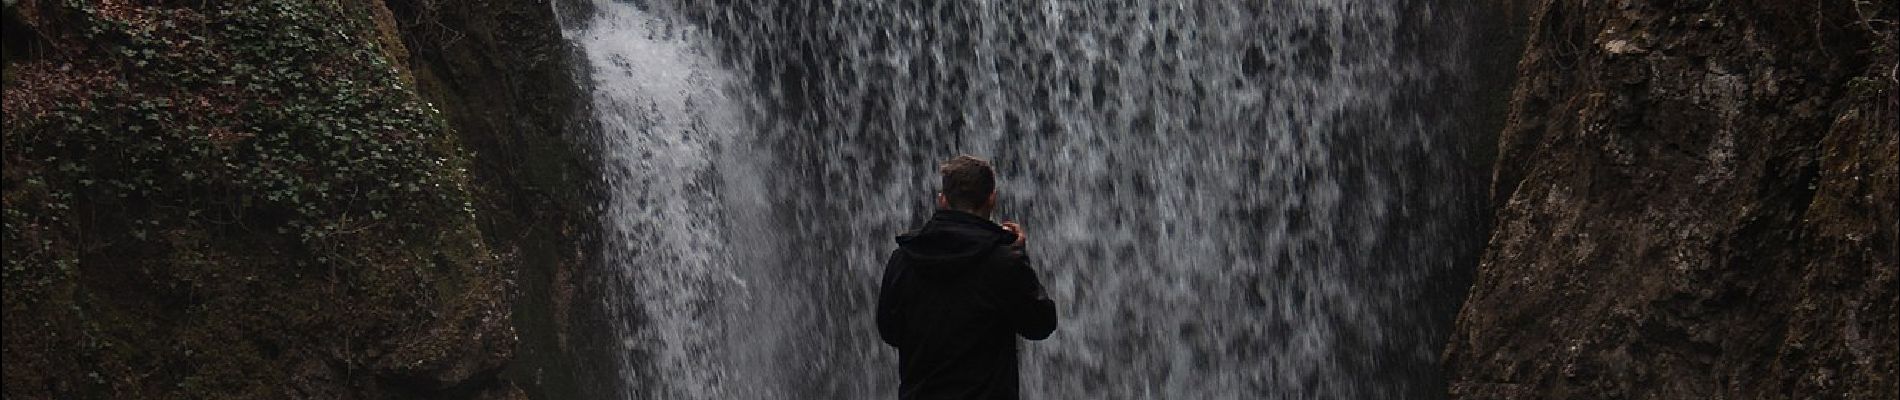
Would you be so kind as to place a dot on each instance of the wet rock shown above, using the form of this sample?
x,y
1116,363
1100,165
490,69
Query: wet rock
x,y
217,296
1695,200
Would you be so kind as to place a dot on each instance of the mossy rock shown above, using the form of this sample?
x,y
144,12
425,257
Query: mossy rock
x,y
236,200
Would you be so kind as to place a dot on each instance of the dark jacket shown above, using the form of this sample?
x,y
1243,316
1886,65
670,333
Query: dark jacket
x,y
955,295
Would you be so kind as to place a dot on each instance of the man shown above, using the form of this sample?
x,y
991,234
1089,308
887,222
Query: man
x,y
957,292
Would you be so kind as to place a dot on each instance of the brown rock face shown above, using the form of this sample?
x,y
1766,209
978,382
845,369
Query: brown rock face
x,y
1696,199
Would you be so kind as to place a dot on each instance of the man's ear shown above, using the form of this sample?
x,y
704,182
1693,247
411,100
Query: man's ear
x,y
991,203
942,202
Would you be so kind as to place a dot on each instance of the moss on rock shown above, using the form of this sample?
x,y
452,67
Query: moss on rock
x,y
237,200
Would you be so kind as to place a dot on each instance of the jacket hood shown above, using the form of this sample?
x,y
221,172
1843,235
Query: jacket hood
x,y
952,239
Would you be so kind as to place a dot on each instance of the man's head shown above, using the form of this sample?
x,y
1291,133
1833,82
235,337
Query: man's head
x,y
968,185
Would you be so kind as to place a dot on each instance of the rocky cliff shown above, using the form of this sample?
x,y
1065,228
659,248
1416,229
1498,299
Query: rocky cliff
x,y
288,199
500,71
1695,199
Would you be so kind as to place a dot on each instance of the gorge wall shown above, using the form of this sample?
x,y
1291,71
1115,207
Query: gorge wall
x,y
290,199
1695,199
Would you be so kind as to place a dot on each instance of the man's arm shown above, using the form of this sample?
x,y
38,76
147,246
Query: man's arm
x,y
890,320
1031,313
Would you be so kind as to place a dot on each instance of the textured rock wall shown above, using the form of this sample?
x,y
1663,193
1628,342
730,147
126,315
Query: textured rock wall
x,y
289,199
500,70
1695,199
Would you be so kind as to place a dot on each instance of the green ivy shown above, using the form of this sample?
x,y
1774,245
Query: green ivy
x,y
256,118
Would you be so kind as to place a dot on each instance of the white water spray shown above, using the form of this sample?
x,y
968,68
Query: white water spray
x,y
1226,200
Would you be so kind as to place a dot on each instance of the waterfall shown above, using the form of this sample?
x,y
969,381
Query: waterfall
x,y
1225,199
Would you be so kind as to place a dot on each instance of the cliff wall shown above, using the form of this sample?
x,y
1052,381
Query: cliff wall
x,y
289,199
1695,199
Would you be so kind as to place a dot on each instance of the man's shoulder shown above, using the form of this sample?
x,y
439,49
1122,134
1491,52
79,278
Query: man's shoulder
x,y
1007,255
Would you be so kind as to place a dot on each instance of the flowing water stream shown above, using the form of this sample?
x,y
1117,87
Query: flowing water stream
x,y
1227,199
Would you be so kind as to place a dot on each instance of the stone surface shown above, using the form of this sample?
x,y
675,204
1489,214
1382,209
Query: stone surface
x,y
500,71
228,303
1695,199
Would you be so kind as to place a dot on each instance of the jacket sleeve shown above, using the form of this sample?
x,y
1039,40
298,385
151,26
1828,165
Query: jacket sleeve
x,y
1031,314
890,308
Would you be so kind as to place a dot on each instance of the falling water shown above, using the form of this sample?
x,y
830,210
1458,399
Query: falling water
x,y
1226,199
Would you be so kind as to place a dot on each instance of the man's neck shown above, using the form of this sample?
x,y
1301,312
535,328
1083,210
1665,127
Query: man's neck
x,y
984,214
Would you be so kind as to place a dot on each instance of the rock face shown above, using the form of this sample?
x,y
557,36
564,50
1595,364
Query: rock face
x,y
1695,199
501,72
288,199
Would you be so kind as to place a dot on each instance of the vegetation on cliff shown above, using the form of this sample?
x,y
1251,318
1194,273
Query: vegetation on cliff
x,y
236,199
